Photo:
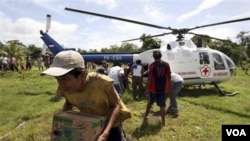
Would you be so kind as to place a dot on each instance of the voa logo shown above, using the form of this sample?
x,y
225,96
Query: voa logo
x,y
236,132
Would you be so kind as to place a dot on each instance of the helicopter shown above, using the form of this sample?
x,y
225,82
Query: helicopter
x,y
196,64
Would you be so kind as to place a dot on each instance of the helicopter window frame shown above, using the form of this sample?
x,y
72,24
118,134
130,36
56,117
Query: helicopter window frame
x,y
169,47
204,58
218,62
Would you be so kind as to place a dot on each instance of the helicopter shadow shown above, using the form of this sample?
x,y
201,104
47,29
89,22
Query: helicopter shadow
x,y
197,92
205,93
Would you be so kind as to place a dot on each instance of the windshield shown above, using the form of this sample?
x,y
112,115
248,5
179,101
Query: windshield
x,y
231,65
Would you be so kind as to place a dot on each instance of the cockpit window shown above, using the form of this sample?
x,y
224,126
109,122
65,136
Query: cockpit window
x,y
231,66
230,63
218,62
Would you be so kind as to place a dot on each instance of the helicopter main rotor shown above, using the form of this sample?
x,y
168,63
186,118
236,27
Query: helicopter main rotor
x,y
158,35
178,32
117,18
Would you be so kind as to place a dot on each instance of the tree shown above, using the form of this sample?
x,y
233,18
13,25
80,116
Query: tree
x,y
248,51
32,49
244,38
129,47
201,40
81,50
2,49
149,42
15,48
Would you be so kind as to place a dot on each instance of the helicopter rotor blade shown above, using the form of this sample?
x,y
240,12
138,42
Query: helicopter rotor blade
x,y
158,35
117,18
225,22
131,40
178,32
163,34
207,36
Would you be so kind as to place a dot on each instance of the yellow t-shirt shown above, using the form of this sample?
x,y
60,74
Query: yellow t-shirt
x,y
93,99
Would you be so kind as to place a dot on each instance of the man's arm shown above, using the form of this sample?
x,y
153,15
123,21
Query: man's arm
x,y
67,106
142,70
120,77
146,92
114,110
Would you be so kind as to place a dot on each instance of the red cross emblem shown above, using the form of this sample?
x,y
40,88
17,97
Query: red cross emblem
x,y
205,71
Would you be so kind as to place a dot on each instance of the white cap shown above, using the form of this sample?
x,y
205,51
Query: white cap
x,y
64,62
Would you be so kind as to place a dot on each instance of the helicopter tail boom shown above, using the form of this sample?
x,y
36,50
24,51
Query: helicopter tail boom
x,y
54,47
110,57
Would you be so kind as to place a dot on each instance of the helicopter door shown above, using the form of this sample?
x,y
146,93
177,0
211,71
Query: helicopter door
x,y
205,69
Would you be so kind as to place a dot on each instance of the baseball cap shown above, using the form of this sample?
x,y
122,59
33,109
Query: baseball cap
x,y
157,54
64,62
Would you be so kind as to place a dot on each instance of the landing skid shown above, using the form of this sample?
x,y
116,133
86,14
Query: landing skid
x,y
221,93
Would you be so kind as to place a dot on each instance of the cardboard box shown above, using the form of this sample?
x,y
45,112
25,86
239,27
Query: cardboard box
x,y
75,126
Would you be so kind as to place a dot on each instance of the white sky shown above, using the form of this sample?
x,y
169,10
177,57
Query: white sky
x,y
23,19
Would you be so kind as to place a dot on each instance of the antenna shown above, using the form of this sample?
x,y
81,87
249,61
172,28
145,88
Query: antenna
x,y
48,21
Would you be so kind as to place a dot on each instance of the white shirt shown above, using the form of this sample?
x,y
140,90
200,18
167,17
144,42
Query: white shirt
x,y
176,77
115,72
4,60
137,70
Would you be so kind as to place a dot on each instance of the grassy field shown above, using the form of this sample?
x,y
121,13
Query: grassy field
x,y
28,102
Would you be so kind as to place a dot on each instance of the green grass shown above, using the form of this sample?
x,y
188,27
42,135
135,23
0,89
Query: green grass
x,y
28,102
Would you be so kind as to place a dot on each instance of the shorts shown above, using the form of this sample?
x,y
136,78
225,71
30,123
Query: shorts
x,y
160,99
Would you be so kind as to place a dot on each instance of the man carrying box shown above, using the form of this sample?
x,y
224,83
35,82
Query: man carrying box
x,y
92,93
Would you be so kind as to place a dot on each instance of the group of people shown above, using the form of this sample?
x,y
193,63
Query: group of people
x,y
98,92
116,72
9,63
43,62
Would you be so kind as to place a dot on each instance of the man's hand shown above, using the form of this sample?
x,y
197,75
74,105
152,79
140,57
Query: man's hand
x,y
146,92
103,137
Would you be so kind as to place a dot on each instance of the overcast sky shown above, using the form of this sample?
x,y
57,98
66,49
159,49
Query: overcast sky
x,y
23,19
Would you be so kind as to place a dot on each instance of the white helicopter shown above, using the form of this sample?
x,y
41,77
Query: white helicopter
x,y
197,65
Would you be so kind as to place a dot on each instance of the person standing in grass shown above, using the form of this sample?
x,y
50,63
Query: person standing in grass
x,y
103,68
177,83
116,72
28,62
92,93
40,62
137,75
5,61
13,63
158,84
